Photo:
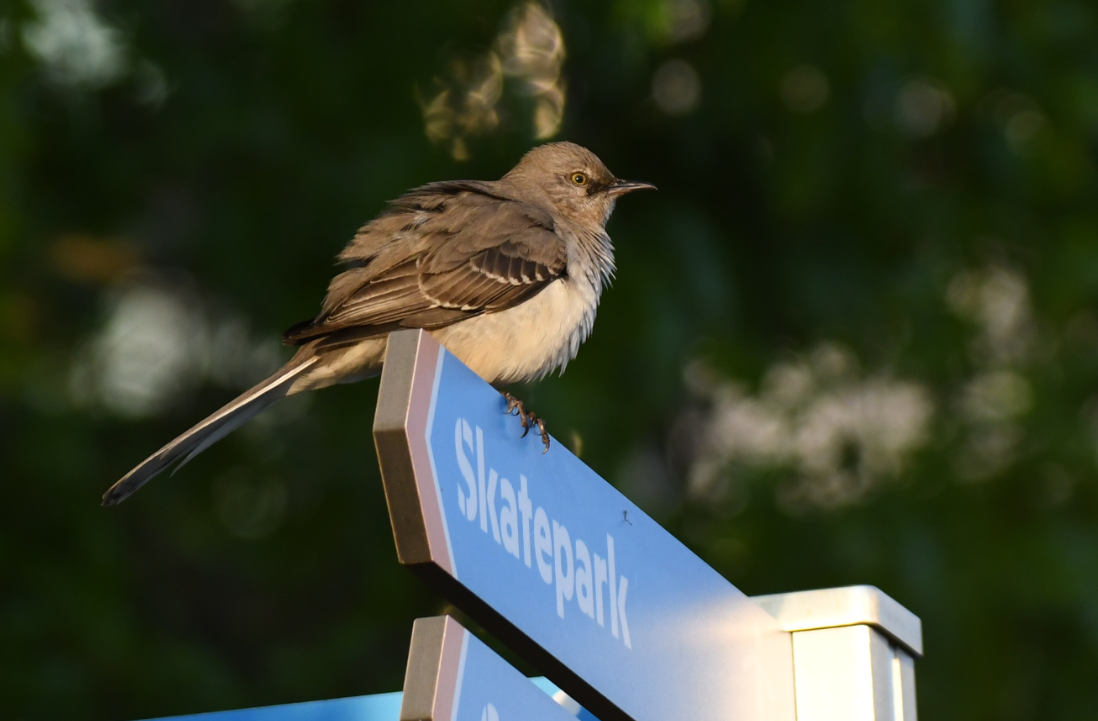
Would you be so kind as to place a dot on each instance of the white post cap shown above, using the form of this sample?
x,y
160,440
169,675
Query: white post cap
x,y
846,606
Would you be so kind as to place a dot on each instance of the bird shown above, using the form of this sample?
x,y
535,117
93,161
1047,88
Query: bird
x,y
506,274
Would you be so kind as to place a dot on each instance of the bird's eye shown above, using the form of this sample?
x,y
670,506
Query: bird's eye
x,y
579,178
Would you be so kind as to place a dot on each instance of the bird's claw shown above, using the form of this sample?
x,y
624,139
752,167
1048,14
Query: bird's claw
x,y
512,404
527,419
544,435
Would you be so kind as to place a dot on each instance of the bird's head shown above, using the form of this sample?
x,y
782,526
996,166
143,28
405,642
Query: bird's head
x,y
570,180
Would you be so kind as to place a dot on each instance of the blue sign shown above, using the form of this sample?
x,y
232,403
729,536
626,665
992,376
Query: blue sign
x,y
378,707
386,706
559,564
454,676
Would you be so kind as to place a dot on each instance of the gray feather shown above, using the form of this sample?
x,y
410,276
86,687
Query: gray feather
x,y
212,429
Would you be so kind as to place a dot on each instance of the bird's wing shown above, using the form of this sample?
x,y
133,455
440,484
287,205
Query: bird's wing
x,y
429,263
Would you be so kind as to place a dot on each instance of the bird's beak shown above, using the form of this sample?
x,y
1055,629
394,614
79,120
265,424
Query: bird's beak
x,y
621,187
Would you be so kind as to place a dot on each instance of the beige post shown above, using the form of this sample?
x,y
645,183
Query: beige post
x,y
853,653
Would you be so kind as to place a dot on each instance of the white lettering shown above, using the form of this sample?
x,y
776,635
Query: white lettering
x,y
526,509
480,480
584,597
565,563
600,581
613,586
623,589
466,502
543,545
566,582
508,517
493,479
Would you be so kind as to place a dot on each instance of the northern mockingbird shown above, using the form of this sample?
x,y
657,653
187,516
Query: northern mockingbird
x,y
506,274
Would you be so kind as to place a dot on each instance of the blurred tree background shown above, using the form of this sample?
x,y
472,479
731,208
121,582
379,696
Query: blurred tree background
x,y
853,338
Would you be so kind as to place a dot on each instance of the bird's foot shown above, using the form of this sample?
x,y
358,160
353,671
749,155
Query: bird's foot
x,y
528,419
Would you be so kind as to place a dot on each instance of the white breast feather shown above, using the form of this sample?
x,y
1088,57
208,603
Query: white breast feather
x,y
528,341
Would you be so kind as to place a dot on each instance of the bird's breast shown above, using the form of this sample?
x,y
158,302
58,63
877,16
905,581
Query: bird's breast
x,y
530,340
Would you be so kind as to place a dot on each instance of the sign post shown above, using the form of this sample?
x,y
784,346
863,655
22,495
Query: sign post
x,y
854,652
559,565
565,570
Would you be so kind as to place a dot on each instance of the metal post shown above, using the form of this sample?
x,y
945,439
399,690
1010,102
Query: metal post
x,y
853,653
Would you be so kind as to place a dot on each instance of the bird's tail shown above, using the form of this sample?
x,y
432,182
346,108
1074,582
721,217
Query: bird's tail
x,y
212,429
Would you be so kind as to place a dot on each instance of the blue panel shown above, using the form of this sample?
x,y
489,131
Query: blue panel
x,y
552,689
490,689
545,685
377,707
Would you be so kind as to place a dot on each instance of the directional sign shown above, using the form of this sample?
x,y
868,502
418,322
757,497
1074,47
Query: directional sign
x,y
560,566
454,676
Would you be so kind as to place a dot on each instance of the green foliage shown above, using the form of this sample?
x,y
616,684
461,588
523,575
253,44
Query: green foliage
x,y
891,205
